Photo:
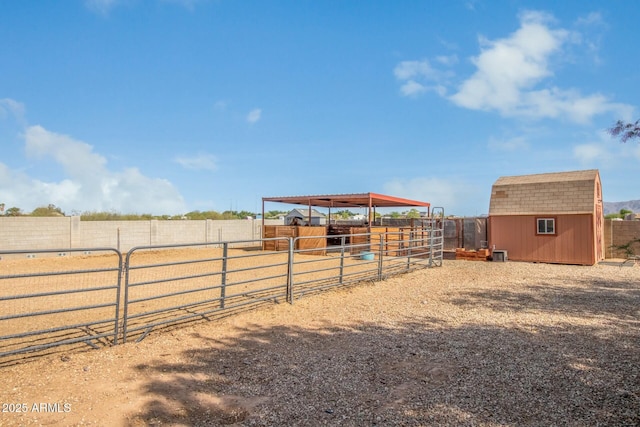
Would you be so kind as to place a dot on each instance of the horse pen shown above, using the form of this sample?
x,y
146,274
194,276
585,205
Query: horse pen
x,y
101,297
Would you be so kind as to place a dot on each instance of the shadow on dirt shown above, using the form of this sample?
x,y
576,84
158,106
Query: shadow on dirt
x,y
419,373
616,300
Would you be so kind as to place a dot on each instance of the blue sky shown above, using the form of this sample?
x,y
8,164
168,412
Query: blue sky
x,y
170,106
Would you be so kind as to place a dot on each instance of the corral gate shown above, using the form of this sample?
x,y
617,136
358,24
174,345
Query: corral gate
x,y
46,304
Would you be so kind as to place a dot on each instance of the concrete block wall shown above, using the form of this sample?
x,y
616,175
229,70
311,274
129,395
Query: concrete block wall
x,y
18,233
176,232
121,235
618,233
30,233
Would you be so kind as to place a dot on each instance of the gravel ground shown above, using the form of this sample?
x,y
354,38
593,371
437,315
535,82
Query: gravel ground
x,y
467,344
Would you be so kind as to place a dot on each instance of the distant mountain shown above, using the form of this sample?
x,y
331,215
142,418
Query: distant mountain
x,y
614,207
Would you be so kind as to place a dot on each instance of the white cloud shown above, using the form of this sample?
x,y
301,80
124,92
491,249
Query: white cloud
x,y
76,158
254,115
409,72
606,152
518,143
187,4
457,197
511,73
590,153
411,88
449,45
88,184
202,161
410,69
102,7
11,108
506,67
471,4
592,18
447,59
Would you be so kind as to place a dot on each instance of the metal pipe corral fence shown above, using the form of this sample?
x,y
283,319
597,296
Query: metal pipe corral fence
x,y
99,297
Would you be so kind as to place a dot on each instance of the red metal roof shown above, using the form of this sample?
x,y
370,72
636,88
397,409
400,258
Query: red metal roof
x,y
363,200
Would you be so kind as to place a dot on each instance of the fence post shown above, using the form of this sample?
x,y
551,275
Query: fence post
x,y
223,279
381,252
342,242
430,234
409,250
121,272
290,272
125,310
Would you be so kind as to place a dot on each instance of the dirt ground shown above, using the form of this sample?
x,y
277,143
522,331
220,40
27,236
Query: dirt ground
x,y
469,343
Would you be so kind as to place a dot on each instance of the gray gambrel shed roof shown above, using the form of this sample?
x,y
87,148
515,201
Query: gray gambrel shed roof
x,y
304,213
547,193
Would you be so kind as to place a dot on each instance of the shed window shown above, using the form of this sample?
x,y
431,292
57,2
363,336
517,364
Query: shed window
x,y
546,225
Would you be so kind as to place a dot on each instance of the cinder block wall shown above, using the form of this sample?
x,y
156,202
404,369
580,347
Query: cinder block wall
x,y
618,233
17,233
30,233
175,232
121,235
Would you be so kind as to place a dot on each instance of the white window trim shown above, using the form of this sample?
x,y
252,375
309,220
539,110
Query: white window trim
x,y
546,232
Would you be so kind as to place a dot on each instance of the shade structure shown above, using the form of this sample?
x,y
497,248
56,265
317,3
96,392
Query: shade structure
x,y
359,200
356,200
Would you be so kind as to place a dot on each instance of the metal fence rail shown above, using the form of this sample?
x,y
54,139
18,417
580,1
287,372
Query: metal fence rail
x,y
380,255
79,300
188,287
76,302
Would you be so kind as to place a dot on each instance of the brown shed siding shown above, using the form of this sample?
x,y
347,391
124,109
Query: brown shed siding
x,y
573,243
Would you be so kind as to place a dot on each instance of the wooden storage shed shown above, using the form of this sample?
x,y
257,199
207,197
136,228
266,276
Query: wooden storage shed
x,y
549,217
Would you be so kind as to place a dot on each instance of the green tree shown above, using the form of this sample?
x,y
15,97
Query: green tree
x,y
100,216
14,212
343,214
229,215
625,212
274,214
413,213
245,214
621,214
50,210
